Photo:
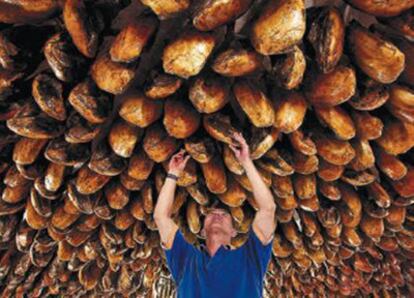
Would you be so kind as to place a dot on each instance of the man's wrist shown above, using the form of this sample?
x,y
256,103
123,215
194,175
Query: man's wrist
x,y
172,175
246,163
176,173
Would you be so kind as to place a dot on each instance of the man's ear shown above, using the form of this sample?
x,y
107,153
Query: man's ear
x,y
203,233
234,233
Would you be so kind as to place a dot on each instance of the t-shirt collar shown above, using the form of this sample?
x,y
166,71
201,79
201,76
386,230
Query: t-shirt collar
x,y
203,247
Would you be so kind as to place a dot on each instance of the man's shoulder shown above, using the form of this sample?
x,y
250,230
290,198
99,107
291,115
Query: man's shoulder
x,y
180,242
257,237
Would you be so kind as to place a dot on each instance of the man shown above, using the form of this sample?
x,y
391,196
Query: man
x,y
216,271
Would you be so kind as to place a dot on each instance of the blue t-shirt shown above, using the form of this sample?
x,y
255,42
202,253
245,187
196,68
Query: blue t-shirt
x,y
236,273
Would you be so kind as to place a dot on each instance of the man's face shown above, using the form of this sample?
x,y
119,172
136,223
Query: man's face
x,y
218,221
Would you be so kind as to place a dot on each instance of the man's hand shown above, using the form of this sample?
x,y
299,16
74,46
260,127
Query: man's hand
x,y
240,148
178,162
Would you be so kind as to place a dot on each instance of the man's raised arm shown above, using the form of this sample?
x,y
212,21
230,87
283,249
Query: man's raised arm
x,y
162,212
264,223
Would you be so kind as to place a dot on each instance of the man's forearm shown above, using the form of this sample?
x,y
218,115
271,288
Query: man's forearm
x,y
261,192
165,199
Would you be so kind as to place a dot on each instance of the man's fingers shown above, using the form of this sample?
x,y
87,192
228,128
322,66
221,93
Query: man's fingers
x,y
239,138
233,148
235,140
177,158
180,153
181,157
186,158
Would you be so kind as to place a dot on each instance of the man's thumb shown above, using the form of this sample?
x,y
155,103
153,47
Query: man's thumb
x,y
232,148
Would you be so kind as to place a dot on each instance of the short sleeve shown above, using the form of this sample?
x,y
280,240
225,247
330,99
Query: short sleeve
x,y
178,256
260,254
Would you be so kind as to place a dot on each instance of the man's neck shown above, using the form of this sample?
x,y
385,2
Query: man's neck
x,y
213,243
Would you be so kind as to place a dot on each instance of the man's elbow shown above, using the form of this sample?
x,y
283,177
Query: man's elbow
x,y
160,211
160,216
159,220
